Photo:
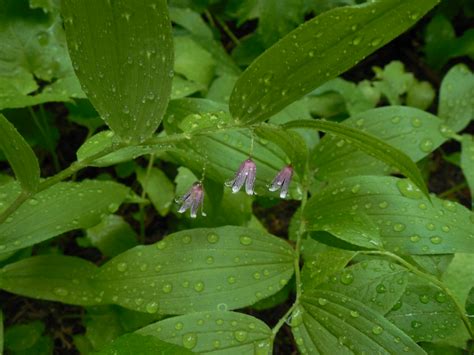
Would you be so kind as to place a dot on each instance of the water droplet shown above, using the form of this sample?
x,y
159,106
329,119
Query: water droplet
x,y
440,297
426,145
415,238
397,306
199,286
377,330
161,245
347,277
122,267
445,228
257,275
354,314
267,78
424,299
245,240
240,335
187,239
322,301
399,227
381,288
436,239
152,307
355,189
430,226
416,122
375,42
59,291
216,344
178,326
231,280
189,340
408,189
167,287
395,119
383,204
416,324
449,205
209,260
212,238
356,41
33,202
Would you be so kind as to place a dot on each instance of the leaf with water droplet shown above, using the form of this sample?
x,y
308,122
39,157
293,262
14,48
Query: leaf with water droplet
x,y
294,68
199,331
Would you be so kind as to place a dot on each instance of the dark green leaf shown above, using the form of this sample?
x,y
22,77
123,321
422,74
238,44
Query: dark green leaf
x,y
1,331
467,161
215,332
328,320
426,313
20,156
317,51
133,344
61,208
456,106
22,337
413,132
126,67
408,223
197,270
60,278
370,145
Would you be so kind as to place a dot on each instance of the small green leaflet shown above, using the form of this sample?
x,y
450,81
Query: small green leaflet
x,y
413,132
216,332
317,51
61,208
53,277
370,145
126,68
20,156
467,161
456,106
197,270
407,222
328,320
158,187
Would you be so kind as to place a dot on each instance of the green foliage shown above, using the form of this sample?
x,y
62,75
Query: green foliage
x,y
361,255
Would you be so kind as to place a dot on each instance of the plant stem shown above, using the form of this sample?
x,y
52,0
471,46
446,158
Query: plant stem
x,y
227,31
22,197
431,279
452,190
143,196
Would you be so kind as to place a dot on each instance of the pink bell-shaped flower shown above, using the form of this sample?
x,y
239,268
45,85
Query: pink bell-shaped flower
x,y
246,174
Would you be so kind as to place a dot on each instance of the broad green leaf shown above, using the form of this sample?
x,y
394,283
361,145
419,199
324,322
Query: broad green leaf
x,y
317,51
198,270
126,68
408,223
320,266
158,187
112,236
132,344
370,145
22,337
456,106
328,320
61,208
215,332
467,161
20,156
426,313
376,283
413,132
433,264
459,277
60,278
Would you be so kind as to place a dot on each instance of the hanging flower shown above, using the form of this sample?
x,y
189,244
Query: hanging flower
x,y
282,181
192,199
245,174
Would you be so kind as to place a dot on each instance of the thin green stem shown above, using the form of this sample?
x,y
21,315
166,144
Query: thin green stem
x,y
143,196
209,18
282,320
452,190
227,31
431,279
22,197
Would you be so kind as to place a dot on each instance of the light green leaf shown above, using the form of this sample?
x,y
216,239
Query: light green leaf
x,y
328,320
407,222
459,277
158,187
221,88
198,270
376,283
370,145
413,132
467,161
112,236
60,278
215,332
456,106
393,81
317,51
182,87
126,68
420,95
19,154
426,313
132,344
61,208
433,264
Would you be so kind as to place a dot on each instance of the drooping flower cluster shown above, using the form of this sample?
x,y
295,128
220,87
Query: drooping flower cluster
x,y
246,174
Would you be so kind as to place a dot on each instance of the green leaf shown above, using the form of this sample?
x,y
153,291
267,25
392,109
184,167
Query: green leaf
x,y
158,187
60,278
21,337
370,145
20,156
182,87
328,320
467,161
215,332
393,81
317,51
407,222
426,313
459,277
112,236
126,68
469,307
198,270
61,208
131,344
456,106
97,334
420,95
413,132
433,264
376,283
